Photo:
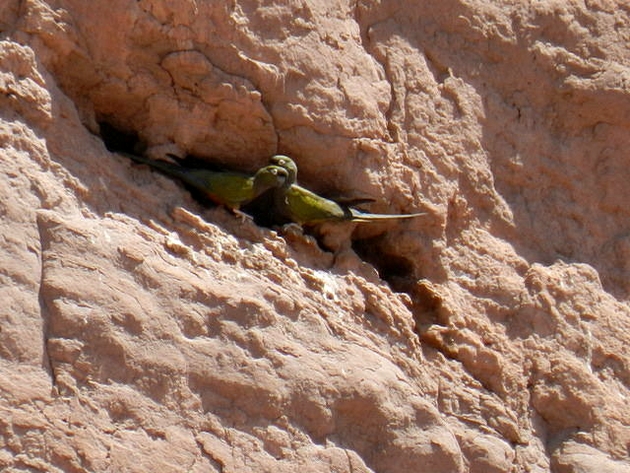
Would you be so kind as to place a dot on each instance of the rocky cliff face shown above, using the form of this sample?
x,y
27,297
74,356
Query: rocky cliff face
x,y
142,332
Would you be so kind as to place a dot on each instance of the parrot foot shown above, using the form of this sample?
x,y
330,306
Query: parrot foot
x,y
242,216
291,229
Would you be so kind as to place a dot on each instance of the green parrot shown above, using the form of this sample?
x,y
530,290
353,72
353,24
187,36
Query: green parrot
x,y
230,189
302,206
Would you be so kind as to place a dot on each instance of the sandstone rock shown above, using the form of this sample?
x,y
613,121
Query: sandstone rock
x,y
575,457
142,332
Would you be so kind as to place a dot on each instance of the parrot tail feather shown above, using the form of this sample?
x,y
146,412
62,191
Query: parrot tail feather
x,y
362,217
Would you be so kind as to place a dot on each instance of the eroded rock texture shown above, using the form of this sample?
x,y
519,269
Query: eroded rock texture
x,y
141,332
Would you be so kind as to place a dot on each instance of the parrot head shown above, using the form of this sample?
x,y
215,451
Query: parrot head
x,y
269,177
289,165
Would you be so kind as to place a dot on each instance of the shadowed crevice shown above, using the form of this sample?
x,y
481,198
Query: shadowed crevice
x,y
44,301
395,269
118,140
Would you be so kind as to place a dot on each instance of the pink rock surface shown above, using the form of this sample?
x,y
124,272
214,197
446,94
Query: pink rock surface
x,y
142,332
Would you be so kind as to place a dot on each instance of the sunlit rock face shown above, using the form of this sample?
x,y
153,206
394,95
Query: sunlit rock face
x,y
141,331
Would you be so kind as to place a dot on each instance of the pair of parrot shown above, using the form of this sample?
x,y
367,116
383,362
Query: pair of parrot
x,y
290,201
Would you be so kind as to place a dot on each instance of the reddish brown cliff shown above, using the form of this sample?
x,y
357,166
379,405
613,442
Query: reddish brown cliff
x,y
141,332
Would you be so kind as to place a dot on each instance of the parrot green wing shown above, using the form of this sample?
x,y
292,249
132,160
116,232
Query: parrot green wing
x,y
231,189
305,207
302,206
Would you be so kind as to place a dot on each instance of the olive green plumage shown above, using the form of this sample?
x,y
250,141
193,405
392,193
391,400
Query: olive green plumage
x,y
231,189
302,206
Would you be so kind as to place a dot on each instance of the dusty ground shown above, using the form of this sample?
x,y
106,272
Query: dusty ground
x,y
142,332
